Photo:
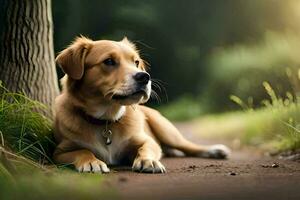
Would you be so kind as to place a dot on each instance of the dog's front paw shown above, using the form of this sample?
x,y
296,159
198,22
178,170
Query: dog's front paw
x,y
92,165
218,151
148,166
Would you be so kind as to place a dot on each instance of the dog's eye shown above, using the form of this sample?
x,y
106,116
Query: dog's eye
x,y
137,63
109,61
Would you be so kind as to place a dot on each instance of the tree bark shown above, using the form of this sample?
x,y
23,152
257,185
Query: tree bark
x,y
26,49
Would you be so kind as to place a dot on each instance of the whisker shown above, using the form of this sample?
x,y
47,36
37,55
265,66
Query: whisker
x,y
159,81
159,84
144,44
155,96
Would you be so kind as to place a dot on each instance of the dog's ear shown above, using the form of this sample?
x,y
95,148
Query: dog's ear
x,y
72,59
144,65
129,43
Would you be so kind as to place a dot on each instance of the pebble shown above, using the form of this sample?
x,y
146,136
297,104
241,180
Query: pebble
x,y
274,165
192,166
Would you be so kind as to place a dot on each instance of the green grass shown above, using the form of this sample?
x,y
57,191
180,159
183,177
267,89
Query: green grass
x,y
29,181
26,167
182,109
23,130
240,69
273,130
264,78
275,127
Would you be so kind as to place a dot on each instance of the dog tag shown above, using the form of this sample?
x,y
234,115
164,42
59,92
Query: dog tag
x,y
107,136
108,141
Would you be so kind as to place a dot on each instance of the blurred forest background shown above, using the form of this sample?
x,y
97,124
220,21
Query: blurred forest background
x,y
202,51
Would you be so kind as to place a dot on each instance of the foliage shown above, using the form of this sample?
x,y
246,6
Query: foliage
x,y
241,69
26,146
279,118
27,180
23,129
274,127
184,108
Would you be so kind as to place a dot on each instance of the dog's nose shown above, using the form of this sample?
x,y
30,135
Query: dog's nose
x,y
142,77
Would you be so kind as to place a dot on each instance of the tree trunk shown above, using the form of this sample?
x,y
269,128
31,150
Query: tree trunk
x,y
26,49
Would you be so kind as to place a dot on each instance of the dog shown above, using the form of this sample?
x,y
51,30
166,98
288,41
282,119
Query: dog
x,y
99,119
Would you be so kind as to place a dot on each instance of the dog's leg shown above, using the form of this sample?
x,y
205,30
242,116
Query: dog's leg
x,y
148,156
83,160
168,134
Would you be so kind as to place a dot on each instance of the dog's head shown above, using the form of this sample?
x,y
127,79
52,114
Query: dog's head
x,y
107,69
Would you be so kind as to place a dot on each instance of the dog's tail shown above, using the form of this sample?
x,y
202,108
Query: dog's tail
x,y
169,135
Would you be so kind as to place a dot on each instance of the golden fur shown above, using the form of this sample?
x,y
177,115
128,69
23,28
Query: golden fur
x,y
99,81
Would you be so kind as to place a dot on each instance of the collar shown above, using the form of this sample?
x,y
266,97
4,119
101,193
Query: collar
x,y
106,132
93,120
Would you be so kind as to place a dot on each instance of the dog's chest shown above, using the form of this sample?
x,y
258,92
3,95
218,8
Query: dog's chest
x,y
109,153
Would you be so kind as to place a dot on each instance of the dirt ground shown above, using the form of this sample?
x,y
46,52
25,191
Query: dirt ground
x,y
246,175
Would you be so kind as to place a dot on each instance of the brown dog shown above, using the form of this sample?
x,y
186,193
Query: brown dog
x,y
98,117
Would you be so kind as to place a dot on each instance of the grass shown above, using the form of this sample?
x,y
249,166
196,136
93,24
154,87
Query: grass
x,y
54,187
26,167
240,69
23,130
273,130
28,180
184,108
265,77
275,127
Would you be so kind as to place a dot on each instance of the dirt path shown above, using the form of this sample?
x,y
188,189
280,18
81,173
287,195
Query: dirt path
x,y
246,175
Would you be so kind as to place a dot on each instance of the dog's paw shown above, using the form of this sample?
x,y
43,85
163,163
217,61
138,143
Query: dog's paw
x,y
148,166
94,166
218,151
